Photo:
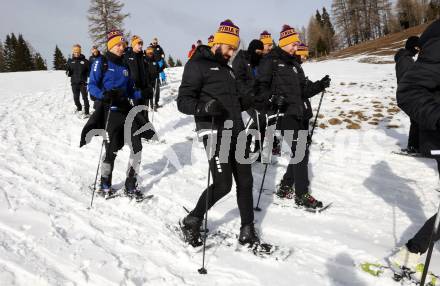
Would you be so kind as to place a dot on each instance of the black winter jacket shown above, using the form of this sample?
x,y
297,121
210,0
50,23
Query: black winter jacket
x,y
244,73
281,74
78,70
418,94
159,54
278,74
205,78
404,60
138,66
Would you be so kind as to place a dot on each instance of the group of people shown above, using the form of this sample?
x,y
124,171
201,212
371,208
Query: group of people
x,y
146,68
125,77
267,81
418,91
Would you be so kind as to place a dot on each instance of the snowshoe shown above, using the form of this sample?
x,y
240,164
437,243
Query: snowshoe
x,y
248,235
404,259
308,201
190,227
106,192
285,192
134,194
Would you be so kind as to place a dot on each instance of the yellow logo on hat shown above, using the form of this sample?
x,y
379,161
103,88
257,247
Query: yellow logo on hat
x,y
287,33
229,30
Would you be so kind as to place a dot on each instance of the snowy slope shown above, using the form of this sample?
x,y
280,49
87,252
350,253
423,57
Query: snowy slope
x,y
49,237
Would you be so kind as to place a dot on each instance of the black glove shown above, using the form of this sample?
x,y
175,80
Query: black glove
x,y
212,108
147,93
113,95
325,82
278,100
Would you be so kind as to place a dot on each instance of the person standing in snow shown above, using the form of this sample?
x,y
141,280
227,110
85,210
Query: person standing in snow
x,y
209,93
245,66
309,89
191,52
154,71
96,54
281,88
138,67
78,71
417,95
159,56
404,59
110,83
267,40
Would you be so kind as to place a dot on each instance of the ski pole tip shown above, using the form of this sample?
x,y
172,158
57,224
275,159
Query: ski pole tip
x,y
203,270
257,209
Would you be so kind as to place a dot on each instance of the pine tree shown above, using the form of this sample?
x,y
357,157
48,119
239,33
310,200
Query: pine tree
x,y
23,56
10,49
328,30
39,62
170,61
2,59
59,61
178,63
319,18
103,16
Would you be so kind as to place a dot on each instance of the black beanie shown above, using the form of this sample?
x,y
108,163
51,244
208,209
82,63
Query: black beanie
x,y
255,45
433,31
412,43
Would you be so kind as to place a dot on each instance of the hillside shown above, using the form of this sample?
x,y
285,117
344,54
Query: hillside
x,y
384,46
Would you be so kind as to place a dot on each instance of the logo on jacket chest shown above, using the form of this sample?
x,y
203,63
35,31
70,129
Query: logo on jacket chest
x,y
125,73
81,62
295,69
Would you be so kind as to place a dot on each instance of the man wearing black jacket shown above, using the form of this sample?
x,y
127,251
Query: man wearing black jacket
x,y
78,71
154,71
245,66
283,90
159,56
418,95
138,67
404,59
209,93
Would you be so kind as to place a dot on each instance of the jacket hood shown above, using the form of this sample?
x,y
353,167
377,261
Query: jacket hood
x,y
430,51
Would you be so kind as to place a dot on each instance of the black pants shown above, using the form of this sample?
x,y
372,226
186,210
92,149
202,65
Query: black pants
x,y
296,174
260,126
115,132
77,89
156,91
222,183
413,138
420,242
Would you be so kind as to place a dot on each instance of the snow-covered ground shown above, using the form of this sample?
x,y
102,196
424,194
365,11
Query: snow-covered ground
x,y
49,237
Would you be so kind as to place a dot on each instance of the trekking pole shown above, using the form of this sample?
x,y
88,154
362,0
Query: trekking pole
x,y
203,269
260,142
431,247
100,153
316,118
257,208
152,100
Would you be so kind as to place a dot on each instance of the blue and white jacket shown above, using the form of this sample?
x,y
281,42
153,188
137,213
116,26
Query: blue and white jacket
x,y
111,73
